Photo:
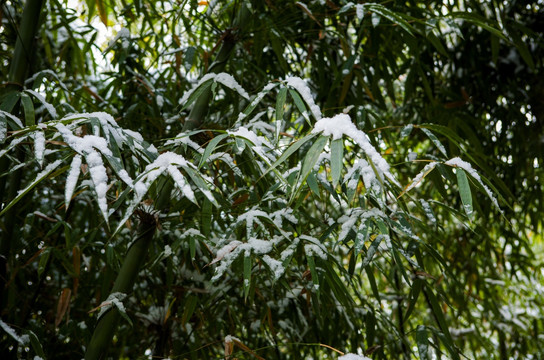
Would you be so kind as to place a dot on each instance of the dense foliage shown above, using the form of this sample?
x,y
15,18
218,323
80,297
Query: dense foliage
x,y
271,180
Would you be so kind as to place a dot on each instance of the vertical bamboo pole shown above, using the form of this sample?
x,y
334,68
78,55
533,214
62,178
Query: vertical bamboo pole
x,y
135,258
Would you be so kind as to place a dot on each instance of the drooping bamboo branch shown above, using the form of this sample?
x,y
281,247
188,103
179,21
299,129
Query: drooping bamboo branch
x,y
135,258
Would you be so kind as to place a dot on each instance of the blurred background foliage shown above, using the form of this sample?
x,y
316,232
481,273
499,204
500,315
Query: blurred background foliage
x,y
425,80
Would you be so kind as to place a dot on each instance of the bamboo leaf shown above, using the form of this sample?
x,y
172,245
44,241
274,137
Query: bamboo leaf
x,y
39,178
247,274
210,148
422,339
464,190
28,106
337,160
280,104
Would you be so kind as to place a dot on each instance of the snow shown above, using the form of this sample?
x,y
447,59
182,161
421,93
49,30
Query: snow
x,y
160,101
15,119
114,299
357,214
428,210
419,177
71,180
39,146
457,162
360,10
304,91
353,357
304,6
340,125
258,98
166,162
314,247
23,340
100,180
50,108
366,172
412,156
183,138
275,265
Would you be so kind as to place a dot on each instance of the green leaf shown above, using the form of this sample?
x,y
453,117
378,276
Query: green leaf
x,y
464,190
417,285
197,93
3,128
30,118
311,158
206,217
435,140
422,339
290,150
280,105
210,148
372,250
478,21
439,316
299,103
313,272
337,160
247,274
43,260
35,343
189,308
39,178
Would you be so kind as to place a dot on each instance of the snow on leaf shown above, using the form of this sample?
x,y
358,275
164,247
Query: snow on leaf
x,y
223,78
353,357
23,340
39,146
71,180
15,119
114,299
304,91
341,125
100,180
50,108
457,162
3,128
419,177
42,175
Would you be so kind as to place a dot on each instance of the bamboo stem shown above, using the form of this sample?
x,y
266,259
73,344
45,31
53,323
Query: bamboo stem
x,y
107,324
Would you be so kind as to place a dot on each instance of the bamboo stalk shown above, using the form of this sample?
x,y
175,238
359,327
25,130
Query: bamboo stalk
x,y
19,68
135,258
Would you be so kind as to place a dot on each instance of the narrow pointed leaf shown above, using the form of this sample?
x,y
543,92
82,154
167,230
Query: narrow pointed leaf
x,y
39,178
210,148
464,190
28,106
337,157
